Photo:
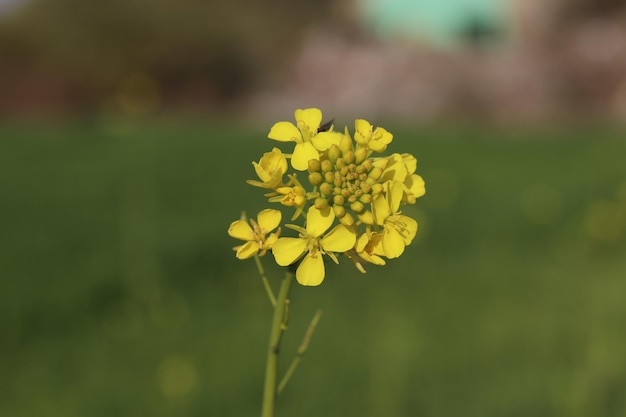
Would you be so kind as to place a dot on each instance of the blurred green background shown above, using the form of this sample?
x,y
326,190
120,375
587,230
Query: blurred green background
x,y
121,294
127,131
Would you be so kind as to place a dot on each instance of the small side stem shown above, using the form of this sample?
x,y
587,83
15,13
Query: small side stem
x,y
278,326
266,283
301,351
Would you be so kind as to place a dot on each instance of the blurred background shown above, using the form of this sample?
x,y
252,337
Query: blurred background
x,y
127,129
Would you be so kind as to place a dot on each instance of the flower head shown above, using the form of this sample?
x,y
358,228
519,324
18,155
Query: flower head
x,y
255,236
349,200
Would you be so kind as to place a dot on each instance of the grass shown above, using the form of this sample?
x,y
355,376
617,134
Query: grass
x,y
120,295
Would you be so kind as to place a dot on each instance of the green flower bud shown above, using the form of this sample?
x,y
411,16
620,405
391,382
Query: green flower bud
x,y
366,198
340,211
377,188
315,178
327,166
329,177
326,189
345,144
347,219
360,155
334,153
321,203
366,217
338,200
357,207
376,173
314,165
349,156
367,164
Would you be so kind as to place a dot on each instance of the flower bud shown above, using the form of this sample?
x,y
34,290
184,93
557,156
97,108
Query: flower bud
x,y
366,217
321,203
340,211
327,166
345,144
357,207
347,219
360,155
338,200
366,198
376,189
376,173
367,164
315,178
326,189
348,156
314,165
334,153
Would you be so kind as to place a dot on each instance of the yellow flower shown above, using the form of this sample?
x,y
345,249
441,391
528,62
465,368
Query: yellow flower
x,y
305,134
311,270
364,250
399,230
270,169
401,168
254,236
366,136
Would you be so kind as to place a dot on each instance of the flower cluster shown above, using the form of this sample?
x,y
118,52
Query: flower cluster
x,y
350,201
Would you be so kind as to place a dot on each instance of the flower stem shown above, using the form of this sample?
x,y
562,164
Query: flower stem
x,y
278,326
301,351
266,283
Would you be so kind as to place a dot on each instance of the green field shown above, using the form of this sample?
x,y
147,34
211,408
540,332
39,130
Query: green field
x,y
120,294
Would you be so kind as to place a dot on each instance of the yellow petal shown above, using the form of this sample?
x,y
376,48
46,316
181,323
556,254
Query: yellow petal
x,y
261,172
311,270
340,239
361,242
241,230
309,117
285,132
410,162
394,196
380,139
393,243
416,185
362,131
409,228
302,153
381,209
269,219
248,250
324,140
287,250
318,221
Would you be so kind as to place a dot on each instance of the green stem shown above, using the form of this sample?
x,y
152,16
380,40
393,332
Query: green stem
x,y
278,326
301,351
266,283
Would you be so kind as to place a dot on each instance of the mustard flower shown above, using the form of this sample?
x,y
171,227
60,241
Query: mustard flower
x,y
270,169
399,230
311,270
255,236
401,168
366,136
305,134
